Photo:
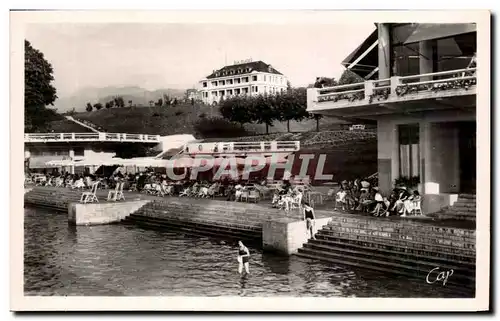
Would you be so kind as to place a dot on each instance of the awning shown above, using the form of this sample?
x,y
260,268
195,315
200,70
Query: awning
x,y
364,60
428,31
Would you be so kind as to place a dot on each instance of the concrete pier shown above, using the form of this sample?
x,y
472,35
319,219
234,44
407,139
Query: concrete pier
x,y
102,213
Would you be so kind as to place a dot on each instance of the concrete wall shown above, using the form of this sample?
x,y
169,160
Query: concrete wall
x,y
102,213
286,235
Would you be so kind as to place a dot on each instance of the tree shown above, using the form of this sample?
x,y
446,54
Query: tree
x,y
292,106
236,109
160,102
38,91
175,102
317,117
98,106
288,85
130,103
89,107
108,105
151,103
349,77
324,82
264,110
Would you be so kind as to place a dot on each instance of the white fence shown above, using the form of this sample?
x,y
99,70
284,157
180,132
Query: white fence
x,y
394,88
242,147
89,137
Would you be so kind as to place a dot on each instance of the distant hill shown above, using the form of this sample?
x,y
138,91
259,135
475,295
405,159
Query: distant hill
x,y
138,95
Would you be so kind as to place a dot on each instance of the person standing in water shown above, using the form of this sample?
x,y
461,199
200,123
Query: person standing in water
x,y
309,218
243,258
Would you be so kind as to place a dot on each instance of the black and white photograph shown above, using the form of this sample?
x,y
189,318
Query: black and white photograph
x,y
297,158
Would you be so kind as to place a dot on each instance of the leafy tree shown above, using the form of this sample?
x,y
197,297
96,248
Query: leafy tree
x,y
130,103
175,102
349,77
38,91
98,106
264,110
292,106
160,102
317,117
192,101
236,109
108,105
151,103
89,107
325,82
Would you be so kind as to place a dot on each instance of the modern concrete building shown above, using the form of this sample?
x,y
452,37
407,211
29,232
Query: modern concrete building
x,y
243,78
420,89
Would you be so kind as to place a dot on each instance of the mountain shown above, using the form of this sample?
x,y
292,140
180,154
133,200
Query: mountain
x,y
138,95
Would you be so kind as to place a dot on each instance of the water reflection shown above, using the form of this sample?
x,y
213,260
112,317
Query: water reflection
x,y
127,260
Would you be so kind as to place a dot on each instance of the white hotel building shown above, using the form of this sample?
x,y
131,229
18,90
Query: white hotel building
x,y
248,78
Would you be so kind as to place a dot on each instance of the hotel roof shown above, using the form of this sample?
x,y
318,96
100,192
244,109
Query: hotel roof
x,y
243,68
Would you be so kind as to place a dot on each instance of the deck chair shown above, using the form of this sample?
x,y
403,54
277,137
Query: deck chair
x,y
117,193
254,196
90,197
382,208
416,206
297,201
185,192
244,195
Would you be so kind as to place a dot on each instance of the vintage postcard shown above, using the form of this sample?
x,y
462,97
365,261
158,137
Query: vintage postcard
x,y
250,160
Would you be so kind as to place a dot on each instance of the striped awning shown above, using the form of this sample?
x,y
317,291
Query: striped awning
x,y
363,61
429,31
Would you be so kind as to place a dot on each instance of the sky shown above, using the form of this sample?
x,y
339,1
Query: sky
x,y
155,56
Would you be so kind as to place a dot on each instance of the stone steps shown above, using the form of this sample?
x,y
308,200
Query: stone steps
x,y
422,262
384,247
326,257
403,232
388,224
463,209
416,244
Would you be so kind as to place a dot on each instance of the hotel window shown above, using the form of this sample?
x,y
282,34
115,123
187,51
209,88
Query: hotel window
x,y
205,84
245,79
222,82
237,80
229,91
265,78
254,78
214,83
214,93
237,91
229,81
409,150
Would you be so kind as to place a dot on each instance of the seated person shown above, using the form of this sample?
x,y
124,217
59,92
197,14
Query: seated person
x,y
409,203
340,198
365,200
401,196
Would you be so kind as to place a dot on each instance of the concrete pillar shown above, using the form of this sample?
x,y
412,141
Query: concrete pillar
x,y
72,156
384,51
426,59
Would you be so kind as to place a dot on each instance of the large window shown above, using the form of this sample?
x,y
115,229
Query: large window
x,y
409,152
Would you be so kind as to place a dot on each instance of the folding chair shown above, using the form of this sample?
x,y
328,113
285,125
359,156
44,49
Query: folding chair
x,y
117,193
90,197
254,195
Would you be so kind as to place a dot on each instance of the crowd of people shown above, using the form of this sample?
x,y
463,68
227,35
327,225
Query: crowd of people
x,y
361,196
358,195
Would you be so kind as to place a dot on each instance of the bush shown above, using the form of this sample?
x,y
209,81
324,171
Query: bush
x,y
179,112
202,115
156,115
218,127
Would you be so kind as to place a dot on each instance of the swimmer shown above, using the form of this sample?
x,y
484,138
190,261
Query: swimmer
x,y
243,258
309,218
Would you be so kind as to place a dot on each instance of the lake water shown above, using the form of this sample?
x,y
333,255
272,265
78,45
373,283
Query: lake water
x,y
118,260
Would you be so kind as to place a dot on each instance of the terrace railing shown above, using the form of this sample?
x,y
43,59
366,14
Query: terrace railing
x,y
84,137
444,83
242,147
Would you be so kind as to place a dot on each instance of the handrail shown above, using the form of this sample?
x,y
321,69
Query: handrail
x,y
91,136
440,73
343,92
342,86
440,80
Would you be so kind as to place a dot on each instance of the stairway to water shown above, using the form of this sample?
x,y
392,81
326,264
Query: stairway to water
x,y
463,209
403,248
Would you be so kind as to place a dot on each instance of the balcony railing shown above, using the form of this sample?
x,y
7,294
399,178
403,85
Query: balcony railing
x,y
393,89
242,147
97,137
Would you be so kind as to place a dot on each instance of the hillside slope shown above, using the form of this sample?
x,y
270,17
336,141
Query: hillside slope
x,y
180,120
